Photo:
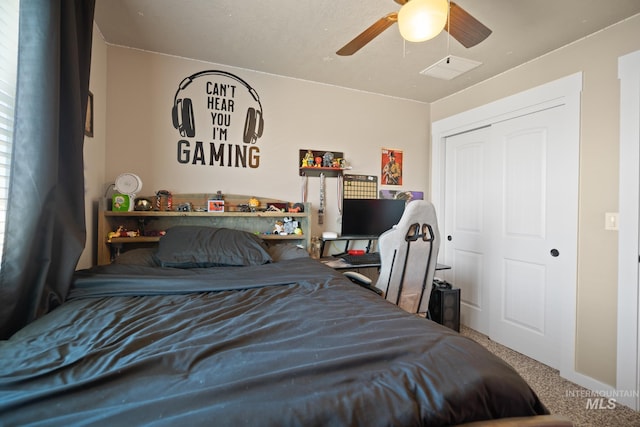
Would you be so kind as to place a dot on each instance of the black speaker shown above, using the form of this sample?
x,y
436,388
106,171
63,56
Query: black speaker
x,y
444,307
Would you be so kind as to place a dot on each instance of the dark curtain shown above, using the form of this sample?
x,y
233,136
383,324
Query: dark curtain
x,y
45,229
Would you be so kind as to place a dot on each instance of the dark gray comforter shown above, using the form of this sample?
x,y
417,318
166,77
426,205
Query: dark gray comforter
x,y
290,343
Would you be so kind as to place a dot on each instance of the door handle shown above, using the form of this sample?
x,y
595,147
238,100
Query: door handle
x,y
449,238
555,252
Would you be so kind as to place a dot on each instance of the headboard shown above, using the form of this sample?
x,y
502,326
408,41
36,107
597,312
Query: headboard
x,y
248,213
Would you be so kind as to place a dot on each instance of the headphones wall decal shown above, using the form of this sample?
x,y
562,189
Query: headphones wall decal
x,y
182,111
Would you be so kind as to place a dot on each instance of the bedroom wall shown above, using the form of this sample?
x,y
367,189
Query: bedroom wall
x,y
140,136
597,57
94,147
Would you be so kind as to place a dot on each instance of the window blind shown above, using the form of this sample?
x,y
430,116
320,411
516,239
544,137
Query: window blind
x,y
9,18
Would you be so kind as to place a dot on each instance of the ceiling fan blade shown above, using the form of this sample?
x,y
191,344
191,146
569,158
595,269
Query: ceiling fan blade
x,y
367,35
465,28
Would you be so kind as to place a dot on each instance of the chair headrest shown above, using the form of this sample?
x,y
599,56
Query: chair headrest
x,y
420,212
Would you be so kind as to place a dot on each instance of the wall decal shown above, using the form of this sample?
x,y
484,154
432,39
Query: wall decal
x,y
211,141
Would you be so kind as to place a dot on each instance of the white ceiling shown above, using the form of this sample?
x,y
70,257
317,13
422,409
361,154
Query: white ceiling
x,y
299,38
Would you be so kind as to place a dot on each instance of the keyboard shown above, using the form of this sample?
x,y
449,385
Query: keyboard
x,y
367,258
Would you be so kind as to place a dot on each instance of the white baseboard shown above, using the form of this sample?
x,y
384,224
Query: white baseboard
x,y
627,398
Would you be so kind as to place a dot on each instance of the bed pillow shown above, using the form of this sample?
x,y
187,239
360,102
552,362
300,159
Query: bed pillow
x,y
284,251
195,246
139,256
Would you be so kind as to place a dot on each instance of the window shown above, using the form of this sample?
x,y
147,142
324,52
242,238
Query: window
x,y
9,19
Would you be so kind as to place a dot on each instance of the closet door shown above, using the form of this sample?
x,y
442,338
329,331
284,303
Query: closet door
x,y
510,224
467,235
535,249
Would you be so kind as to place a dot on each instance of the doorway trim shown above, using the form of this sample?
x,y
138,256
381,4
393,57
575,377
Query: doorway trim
x,y
628,357
564,91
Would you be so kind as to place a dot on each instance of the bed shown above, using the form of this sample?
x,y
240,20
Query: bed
x,y
215,328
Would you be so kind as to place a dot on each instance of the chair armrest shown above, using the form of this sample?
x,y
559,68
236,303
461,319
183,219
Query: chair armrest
x,y
362,280
358,278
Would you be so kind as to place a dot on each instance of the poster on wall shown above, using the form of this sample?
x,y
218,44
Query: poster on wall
x,y
219,119
401,195
391,171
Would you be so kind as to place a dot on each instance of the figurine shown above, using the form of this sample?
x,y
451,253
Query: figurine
x,y
289,225
185,207
296,208
327,159
278,228
308,159
254,204
160,194
122,232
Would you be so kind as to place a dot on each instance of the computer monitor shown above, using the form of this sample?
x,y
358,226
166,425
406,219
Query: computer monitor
x,y
370,217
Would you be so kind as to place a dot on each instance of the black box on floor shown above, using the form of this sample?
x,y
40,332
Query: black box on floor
x,y
444,306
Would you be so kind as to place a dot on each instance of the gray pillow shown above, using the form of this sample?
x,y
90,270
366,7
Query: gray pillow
x,y
196,246
139,256
284,251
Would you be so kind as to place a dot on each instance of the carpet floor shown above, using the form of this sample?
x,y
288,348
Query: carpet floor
x,y
560,396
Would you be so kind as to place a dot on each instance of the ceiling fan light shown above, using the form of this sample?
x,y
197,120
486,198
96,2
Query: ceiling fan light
x,y
421,20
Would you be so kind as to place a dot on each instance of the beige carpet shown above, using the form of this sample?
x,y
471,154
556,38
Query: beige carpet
x,y
560,396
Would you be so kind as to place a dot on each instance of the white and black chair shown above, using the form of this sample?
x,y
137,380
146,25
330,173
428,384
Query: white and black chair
x,y
408,255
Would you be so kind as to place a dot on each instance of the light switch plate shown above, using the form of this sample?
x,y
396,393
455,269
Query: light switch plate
x,y
611,221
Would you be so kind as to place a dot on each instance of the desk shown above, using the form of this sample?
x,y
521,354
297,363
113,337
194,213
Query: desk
x,y
347,240
338,263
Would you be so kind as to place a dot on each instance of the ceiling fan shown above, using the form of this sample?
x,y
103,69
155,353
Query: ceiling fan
x,y
461,25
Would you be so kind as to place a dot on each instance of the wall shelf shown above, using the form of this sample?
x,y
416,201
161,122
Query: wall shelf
x,y
316,171
315,162
258,222
159,214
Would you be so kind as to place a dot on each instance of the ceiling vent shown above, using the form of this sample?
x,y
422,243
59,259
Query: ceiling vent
x,y
450,67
